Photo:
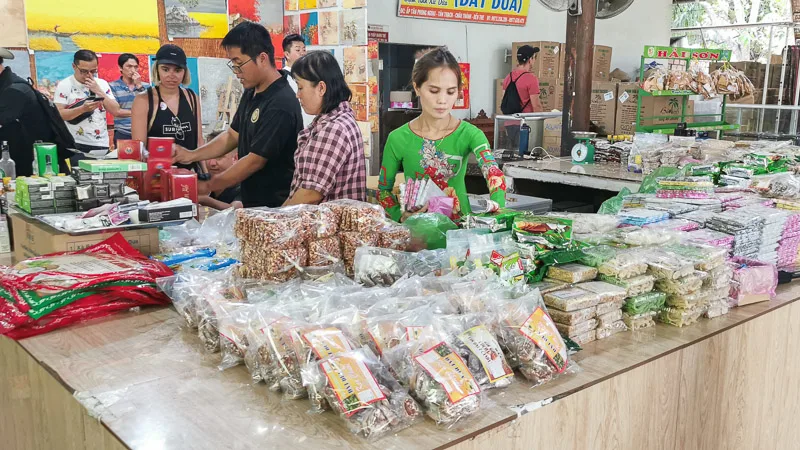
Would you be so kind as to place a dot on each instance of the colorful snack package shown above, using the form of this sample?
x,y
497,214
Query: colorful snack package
x,y
360,388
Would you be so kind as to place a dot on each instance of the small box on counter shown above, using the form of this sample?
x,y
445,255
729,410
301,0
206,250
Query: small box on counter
x,y
112,165
159,159
133,150
180,209
179,183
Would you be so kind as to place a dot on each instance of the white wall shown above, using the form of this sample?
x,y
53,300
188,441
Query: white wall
x,y
644,22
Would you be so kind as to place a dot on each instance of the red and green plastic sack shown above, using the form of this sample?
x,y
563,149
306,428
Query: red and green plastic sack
x,y
48,292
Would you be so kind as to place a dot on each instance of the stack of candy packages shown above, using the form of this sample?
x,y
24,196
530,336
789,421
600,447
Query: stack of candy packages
x,y
771,232
699,187
574,310
45,293
641,216
789,249
712,268
745,228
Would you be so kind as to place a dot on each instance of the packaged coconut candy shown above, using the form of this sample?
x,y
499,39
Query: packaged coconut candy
x,y
576,329
609,307
530,340
585,338
571,273
639,321
571,299
643,303
611,329
634,286
573,317
608,292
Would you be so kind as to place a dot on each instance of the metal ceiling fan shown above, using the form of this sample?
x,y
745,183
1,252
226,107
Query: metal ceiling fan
x,y
606,9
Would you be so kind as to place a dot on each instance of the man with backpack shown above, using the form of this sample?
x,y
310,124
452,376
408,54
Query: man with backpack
x,y
22,118
521,86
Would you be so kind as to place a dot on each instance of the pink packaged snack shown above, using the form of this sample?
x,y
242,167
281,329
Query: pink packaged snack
x,y
754,281
441,205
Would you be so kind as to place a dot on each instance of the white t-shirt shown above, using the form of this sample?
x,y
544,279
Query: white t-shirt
x,y
306,118
94,129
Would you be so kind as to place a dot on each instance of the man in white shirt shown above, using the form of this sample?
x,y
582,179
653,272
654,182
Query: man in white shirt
x,y
82,100
294,48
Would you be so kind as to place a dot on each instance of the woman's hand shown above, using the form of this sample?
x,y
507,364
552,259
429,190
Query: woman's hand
x,y
408,214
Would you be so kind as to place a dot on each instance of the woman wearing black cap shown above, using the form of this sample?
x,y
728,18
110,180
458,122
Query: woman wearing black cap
x,y
527,83
167,109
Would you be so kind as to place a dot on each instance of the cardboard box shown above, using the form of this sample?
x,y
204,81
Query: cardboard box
x,y
179,183
601,65
33,238
164,213
546,64
562,61
664,106
627,105
112,166
552,145
603,110
133,150
552,128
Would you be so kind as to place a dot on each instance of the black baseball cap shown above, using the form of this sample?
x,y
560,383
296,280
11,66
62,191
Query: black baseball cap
x,y
526,52
5,53
171,54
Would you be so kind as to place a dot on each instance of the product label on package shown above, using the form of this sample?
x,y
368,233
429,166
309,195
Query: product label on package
x,y
327,342
608,96
353,383
483,344
448,369
79,264
541,330
624,97
413,333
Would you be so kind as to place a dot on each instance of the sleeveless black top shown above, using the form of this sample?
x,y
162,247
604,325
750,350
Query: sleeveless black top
x,y
182,127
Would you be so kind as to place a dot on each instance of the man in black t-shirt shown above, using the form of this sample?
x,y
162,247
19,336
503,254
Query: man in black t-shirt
x,y
265,126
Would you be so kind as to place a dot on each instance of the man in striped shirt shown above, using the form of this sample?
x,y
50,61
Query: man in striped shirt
x,y
125,90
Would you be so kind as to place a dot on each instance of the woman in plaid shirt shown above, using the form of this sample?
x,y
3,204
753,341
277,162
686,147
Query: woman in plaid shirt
x,y
329,162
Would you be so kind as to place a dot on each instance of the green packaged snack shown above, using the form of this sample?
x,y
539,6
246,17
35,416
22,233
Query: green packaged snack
x,y
640,304
595,256
635,286
501,220
546,233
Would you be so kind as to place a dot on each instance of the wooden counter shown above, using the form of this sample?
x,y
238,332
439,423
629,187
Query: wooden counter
x,y
138,381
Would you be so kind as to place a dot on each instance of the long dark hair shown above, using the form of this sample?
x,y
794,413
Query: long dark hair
x,y
322,66
438,57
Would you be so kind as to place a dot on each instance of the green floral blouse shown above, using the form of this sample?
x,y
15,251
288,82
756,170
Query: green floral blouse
x,y
444,161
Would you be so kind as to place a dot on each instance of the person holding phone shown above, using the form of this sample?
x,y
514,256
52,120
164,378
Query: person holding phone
x,y
82,99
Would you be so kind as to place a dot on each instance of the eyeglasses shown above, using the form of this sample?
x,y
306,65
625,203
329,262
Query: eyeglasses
x,y
237,68
85,72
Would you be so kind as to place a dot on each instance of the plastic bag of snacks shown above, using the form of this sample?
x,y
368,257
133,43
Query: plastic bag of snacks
x,y
679,317
624,265
571,273
530,340
546,233
216,302
571,299
609,307
611,329
275,357
682,286
360,388
353,215
471,336
608,292
48,292
395,237
384,332
655,81
643,303
574,317
234,322
670,267
636,322
635,286
437,377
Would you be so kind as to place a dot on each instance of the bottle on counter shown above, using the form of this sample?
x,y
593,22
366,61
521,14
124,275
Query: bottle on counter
x,y
524,137
8,168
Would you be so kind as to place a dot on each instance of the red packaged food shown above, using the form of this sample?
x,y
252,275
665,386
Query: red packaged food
x,y
181,183
132,149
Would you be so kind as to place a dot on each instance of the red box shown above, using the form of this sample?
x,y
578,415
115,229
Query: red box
x,y
132,149
160,148
181,183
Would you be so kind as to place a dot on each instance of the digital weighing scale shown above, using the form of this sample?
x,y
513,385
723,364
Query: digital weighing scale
x,y
583,151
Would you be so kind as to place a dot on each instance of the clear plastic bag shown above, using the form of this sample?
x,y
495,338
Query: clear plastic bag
x,y
353,215
682,286
360,388
574,317
577,328
670,267
608,319
636,322
608,292
571,299
571,273
609,307
624,265
634,286
471,336
395,237
275,356
679,317
382,333
585,338
589,223
644,303
530,340
611,329
438,378
234,323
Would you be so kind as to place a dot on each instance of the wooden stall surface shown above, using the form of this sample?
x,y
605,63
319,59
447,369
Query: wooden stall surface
x,y
151,385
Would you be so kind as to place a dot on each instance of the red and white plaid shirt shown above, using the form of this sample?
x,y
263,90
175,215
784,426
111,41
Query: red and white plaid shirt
x,y
330,157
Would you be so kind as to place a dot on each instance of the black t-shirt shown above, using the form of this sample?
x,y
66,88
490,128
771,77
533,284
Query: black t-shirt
x,y
22,120
229,195
268,124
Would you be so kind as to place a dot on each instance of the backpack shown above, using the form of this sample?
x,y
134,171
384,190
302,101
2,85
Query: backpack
x,y
151,111
61,135
512,103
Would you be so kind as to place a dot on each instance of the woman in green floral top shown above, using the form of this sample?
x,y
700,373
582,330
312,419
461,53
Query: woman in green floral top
x,y
436,145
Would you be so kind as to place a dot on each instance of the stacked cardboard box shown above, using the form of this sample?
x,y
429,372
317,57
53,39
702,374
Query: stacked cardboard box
x,y
665,106
627,105
551,140
601,65
603,109
546,66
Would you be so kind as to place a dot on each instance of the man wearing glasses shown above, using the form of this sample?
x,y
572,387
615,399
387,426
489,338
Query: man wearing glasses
x,y
82,99
264,129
